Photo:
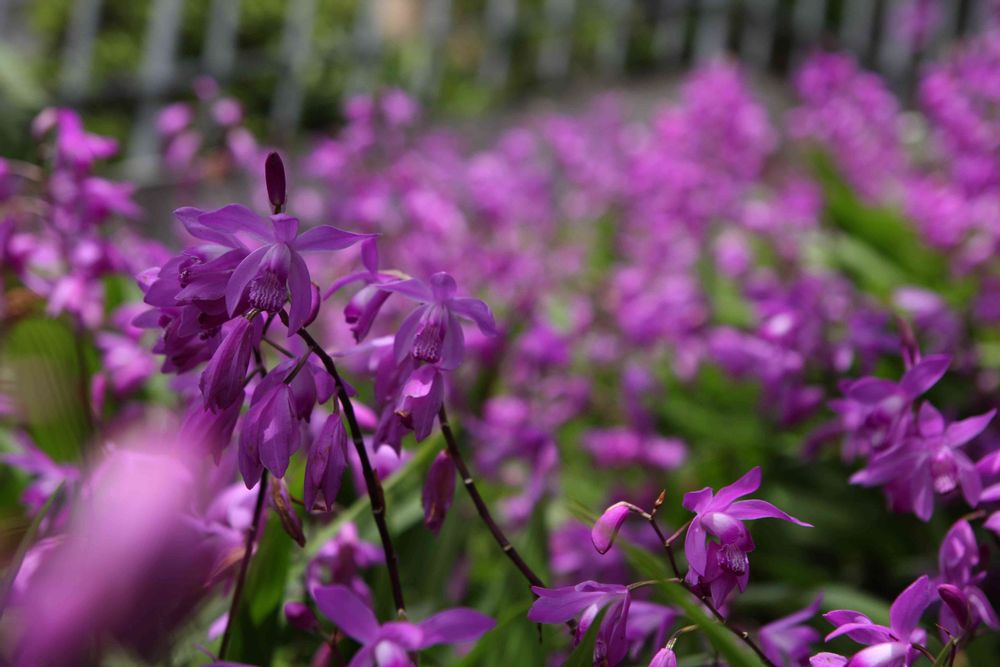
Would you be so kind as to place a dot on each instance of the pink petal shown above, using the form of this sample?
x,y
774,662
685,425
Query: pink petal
x,y
244,273
961,432
606,529
924,375
235,218
477,311
301,294
760,509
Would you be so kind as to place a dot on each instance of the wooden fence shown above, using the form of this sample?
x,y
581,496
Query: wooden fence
x,y
766,34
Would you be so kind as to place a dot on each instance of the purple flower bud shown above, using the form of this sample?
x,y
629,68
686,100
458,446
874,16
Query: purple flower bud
x,y
222,380
957,602
326,463
439,490
606,529
274,176
301,616
665,657
282,503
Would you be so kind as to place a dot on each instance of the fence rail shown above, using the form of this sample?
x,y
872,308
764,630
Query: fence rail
x,y
537,38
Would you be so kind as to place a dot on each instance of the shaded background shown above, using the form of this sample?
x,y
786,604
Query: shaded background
x,y
291,62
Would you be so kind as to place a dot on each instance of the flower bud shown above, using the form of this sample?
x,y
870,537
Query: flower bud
x,y
606,529
439,490
274,177
301,616
957,603
282,503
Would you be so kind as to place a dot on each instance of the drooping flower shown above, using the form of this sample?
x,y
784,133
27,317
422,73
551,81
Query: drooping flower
x,y
420,399
886,646
432,333
389,644
222,381
721,565
586,599
439,490
326,463
270,433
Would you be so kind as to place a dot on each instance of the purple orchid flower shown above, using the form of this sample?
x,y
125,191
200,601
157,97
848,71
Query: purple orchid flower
x,y
877,412
432,333
929,462
420,399
724,564
275,269
389,644
965,603
558,605
786,641
887,646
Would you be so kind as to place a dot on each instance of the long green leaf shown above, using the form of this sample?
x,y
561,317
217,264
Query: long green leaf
x,y
731,648
256,630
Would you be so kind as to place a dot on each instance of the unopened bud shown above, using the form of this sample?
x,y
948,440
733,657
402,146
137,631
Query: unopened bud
x,y
274,176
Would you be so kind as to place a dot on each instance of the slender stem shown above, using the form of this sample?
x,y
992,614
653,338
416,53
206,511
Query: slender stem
x,y
668,545
477,499
376,495
27,541
923,649
277,347
244,565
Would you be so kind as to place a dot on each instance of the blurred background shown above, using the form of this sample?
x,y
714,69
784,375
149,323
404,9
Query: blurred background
x,y
290,63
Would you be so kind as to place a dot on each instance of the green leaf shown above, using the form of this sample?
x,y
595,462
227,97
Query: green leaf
x,y
256,631
47,363
721,637
944,657
27,540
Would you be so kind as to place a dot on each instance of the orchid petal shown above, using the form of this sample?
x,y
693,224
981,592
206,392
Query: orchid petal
x,y
235,218
455,626
242,275
477,311
327,237
746,510
412,288
301,293
907,609
960,432
924,375
347,611
746,484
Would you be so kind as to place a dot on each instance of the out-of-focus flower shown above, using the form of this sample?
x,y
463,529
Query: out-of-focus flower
x,y
787,640
389,644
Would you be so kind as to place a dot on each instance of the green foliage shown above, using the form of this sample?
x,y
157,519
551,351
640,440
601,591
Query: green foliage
x,y
256,630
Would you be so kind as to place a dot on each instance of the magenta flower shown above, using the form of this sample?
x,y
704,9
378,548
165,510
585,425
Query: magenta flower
x,y
275,270
928,462
271,433
558,605
721,565
432,333
887,646
966,605
877,412
787,640
388,645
